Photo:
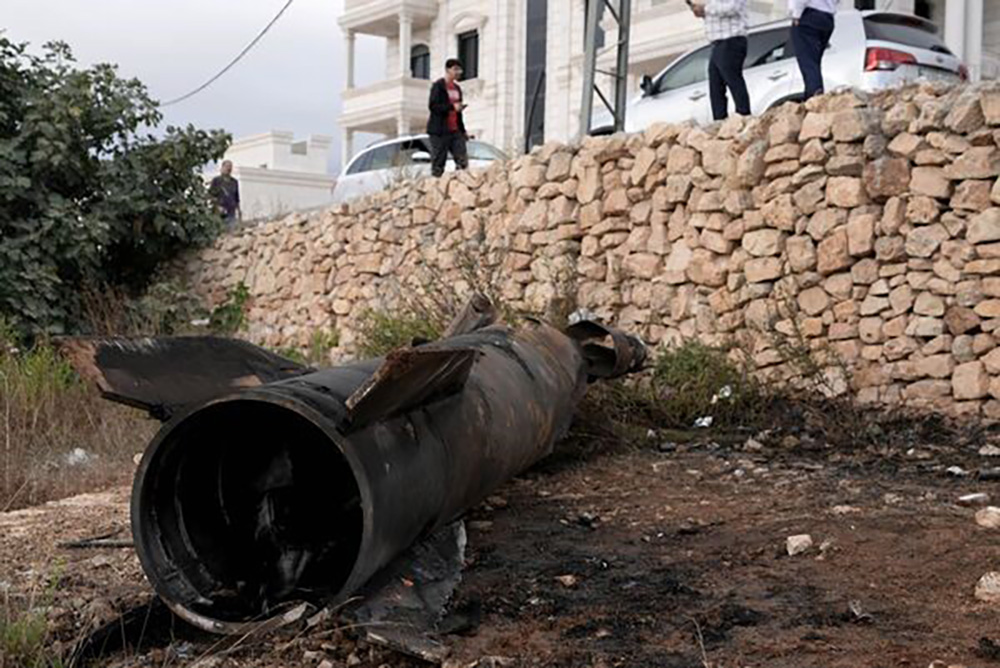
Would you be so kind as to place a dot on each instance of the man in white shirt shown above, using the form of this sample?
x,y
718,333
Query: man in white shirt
x,y
812,26
726,28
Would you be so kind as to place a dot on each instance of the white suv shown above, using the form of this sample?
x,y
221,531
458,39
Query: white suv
x,y
869,50
385,163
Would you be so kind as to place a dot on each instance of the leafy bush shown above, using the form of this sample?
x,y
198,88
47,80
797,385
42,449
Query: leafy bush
x,y
318,352
24,633
88,195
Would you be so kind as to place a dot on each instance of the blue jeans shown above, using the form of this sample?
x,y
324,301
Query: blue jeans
x,y
810,38
725,70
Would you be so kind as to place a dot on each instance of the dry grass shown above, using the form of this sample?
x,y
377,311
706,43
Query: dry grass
x,y
57,436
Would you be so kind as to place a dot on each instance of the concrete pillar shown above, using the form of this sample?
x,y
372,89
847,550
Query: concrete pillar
x,y
405,44
974,38
346,146
954,26
349,45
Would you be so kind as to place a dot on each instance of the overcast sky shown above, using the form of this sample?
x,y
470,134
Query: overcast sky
x,y
290,81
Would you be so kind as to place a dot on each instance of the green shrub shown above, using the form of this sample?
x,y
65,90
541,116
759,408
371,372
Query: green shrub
x,y
380,332
693,381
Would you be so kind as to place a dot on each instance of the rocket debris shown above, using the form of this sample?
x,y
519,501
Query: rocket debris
x,y
272,483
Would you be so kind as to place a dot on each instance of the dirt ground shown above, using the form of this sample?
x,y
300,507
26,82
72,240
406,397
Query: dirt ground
x,y
677,556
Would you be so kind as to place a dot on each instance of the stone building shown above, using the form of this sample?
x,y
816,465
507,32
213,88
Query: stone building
x,y
518,51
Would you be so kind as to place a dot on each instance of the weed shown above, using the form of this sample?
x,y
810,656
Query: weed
x,y
48,415
24,631
318,351
380,332
229,317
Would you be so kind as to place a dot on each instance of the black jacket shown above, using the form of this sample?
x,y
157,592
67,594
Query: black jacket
x,y
440,105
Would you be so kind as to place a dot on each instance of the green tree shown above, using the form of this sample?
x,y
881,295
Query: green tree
x,y
88,194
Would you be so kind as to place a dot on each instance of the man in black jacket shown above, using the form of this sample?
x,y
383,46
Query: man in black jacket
x,y
445,125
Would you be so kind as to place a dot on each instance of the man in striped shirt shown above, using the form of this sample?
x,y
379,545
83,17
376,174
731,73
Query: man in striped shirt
x,y
726,28
812,26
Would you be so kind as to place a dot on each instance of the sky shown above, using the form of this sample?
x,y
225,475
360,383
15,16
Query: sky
x,y
290,81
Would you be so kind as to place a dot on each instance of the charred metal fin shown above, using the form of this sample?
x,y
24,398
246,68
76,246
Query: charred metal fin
x,y
407,379
626,353
477,313
163,375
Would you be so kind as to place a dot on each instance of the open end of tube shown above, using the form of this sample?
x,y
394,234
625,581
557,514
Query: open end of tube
x,y
244,506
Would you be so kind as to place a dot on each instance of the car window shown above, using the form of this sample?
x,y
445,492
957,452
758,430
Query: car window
x,y
908,30
360,164
406,149
769,46
384,157
692,69
480,151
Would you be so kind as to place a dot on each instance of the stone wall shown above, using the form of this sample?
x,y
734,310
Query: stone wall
x,y
867,228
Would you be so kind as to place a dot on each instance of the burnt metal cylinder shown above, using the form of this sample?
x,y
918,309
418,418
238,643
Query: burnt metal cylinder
x,y
280,493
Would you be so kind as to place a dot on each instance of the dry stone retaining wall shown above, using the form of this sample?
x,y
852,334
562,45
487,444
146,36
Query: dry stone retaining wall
x,y
865,228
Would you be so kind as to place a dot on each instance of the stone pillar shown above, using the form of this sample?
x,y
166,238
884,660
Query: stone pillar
x,y
405,44
974,25
346,148
349,46
954,27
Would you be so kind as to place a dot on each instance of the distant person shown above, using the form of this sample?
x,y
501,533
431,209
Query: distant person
x,y
225,191
812,26
726,28
445,125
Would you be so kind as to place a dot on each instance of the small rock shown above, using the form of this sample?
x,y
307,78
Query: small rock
x,y
845,510
586,519
353,659
988,517
325,663
826,545
891,499
988,587
956,471
667,446
753,445
567,580
496,501
976,499
100,561
137,458
989,451
798,544
311,655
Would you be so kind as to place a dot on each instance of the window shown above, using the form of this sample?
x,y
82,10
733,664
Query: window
x,y
535,49
480,151
689,70
769,46
908,30
360,163
384,157
468,53
420,62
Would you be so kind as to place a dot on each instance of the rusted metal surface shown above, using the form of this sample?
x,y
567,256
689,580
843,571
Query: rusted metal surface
x,y
300,488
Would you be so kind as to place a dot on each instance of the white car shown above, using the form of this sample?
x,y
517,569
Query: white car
x,y
869,50
388,162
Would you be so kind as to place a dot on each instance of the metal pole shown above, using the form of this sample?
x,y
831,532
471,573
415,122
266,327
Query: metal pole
x,y
621,75
589,65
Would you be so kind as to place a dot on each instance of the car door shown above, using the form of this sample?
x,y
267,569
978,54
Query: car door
x,y
770,68
678,94
351,182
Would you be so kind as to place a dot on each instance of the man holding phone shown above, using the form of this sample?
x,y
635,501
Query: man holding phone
x,y
445,125
726,28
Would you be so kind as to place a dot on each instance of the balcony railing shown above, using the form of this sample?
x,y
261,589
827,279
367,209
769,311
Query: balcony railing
x,y
385,100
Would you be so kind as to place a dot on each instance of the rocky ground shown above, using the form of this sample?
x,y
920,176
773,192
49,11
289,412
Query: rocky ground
x,y
669,555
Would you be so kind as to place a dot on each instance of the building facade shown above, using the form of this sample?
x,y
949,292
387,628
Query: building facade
x,y
278,174
524,58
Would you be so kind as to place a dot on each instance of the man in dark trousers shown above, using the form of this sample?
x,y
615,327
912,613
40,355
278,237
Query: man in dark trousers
x,y
726,28
812,26
445,125
225,191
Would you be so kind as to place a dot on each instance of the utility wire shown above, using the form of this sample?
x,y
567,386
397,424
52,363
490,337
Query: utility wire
x,y
235,60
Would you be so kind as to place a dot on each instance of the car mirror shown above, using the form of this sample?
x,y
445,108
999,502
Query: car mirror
x,y
646,84
421,156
